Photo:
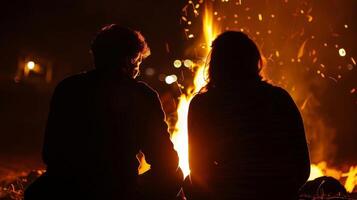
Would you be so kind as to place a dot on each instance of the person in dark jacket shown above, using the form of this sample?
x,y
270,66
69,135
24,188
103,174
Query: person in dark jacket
x,y
99,121
246,136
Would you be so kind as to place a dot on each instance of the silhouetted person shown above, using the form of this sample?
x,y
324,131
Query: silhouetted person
x,y
246,137
99,121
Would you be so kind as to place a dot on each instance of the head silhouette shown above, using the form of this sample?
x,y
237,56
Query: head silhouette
x,y
234,58
119,47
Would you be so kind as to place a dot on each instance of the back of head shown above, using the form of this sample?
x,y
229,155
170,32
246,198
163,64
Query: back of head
x,y
114,46
234,58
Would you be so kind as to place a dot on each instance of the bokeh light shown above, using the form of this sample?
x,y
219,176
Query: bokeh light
x,y
342,52
188,63
30,65
171,79
177,63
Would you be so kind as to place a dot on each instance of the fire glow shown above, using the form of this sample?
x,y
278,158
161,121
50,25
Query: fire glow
x,y
211,21
180,135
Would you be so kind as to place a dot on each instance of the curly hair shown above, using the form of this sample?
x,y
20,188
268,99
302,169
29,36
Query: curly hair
x,y
114,44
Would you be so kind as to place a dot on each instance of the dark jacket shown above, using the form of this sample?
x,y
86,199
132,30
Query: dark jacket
x,y
98,122
246,142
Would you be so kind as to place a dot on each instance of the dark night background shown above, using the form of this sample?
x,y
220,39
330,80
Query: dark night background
x,y
59,32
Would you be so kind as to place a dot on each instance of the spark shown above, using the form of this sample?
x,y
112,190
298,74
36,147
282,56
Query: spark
x,y
309,18
332,78
277,54
305,102
301,49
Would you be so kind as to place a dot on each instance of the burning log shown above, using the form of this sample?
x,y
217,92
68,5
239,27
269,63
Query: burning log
x,y
14,190
323,188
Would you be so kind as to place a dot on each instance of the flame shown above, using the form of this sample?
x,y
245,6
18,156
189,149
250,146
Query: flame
x,y
180,135
321,169
210,30
315,172
351,180
144,166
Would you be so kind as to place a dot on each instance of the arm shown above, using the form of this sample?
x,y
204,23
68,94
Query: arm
x,y
51,152
196,141
155,141
295,128
197,183
62,125
156,144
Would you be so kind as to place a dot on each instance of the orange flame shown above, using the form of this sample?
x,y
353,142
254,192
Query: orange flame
x,y
180,135
315,172
321,169
351,180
